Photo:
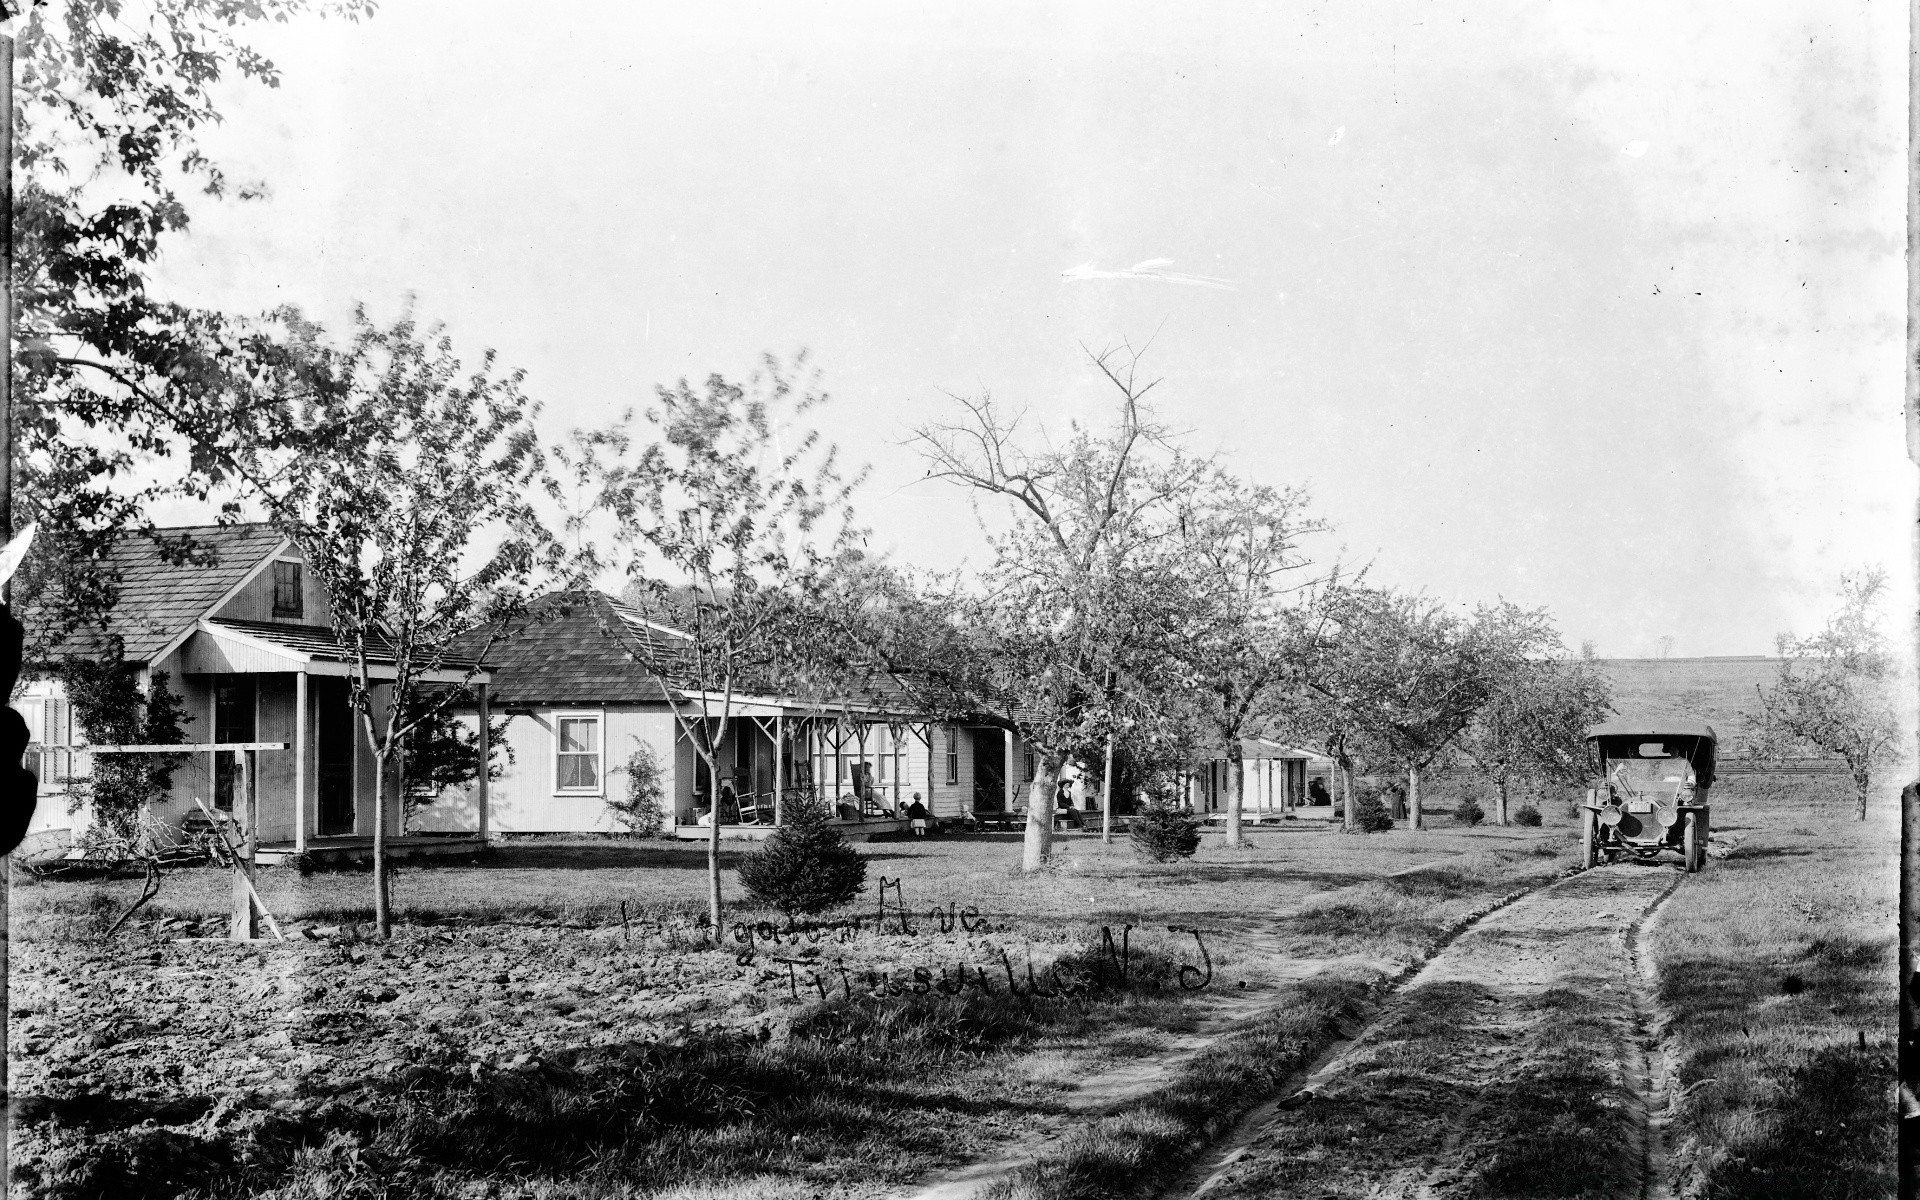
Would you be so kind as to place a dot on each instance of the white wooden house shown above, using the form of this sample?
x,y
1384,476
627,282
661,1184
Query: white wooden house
x,y
232,621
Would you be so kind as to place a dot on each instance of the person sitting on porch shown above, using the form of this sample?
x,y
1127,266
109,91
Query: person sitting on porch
x,y
729,805
847,810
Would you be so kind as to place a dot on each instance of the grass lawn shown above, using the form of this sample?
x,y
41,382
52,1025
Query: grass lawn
x,y
512,1040
1777,976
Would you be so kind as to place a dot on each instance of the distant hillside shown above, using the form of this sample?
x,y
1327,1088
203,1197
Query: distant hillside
x,y
1719,691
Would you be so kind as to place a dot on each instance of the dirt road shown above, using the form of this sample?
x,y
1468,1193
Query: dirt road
x,y
1514,1064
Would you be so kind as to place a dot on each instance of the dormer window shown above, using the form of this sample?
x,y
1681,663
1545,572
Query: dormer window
x,y
288,596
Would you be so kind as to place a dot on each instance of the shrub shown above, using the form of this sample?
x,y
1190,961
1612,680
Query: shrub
x,y
1163,833
806,866
642,813
1526,814
1468,811
1370,814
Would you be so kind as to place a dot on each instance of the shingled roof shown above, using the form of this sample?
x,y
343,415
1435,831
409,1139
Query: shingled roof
x,y
171,578
570,652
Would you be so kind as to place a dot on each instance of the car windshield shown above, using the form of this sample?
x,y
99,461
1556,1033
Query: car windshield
x,y
1652,776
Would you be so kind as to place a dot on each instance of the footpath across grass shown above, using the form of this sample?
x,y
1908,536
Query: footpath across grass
x,y
512,1041
1777,984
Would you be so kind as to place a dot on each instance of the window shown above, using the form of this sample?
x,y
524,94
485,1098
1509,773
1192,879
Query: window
x,y
576,766
953,755
51,727
233,708
1032,767
288,599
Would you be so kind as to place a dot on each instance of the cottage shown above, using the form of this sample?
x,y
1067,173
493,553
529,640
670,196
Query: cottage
x,y
1278,778
237,625
581,720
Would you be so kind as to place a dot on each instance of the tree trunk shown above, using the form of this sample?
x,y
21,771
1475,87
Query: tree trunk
x,y
1236,788
1039,843
382,910
1106,796
1862,785
713,848
1503,798
1346,791
1414,820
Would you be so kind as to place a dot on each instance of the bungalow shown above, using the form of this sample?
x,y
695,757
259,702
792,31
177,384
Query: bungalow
x,y
1278,778
238,624
581,717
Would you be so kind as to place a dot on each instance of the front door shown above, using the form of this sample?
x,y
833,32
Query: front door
x,y
989,771
333,755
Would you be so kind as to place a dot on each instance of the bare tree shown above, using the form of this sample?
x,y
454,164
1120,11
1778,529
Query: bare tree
x,y
1087,516
1834,691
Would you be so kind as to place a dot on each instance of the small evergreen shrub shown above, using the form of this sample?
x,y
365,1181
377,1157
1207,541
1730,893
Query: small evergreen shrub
x,y
1370,813
1526,814
643,812
1163,833
806,866
1468,811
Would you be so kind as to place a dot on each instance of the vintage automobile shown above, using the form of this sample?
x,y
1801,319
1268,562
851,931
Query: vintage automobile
x,y
1651,795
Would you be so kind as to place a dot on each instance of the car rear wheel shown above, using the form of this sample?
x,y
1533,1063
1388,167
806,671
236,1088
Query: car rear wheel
x,y
1695,842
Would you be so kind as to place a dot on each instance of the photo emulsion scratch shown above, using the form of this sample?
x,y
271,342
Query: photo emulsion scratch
x,y
1271,601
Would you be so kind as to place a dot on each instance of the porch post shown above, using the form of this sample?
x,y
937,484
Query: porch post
x,y
245,923
779,770
485,753
299,762
1006,736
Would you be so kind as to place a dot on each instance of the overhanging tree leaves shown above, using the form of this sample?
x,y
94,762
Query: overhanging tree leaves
x,y
120,396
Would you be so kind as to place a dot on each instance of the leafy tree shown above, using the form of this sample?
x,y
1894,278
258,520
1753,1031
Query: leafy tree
x,y
1065,603
1412,674
1236,541
1833,693
111,709
111,101
1534,724
441,753
732,534
406,488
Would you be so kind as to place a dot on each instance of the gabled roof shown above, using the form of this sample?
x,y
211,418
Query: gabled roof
x,y
319,642
168,580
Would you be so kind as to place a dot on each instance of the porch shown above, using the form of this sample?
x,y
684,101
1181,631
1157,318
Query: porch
x,y
334,851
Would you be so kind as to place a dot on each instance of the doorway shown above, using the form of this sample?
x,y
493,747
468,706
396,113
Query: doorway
x,y
989,771
333,755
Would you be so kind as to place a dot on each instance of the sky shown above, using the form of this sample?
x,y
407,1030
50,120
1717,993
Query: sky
x,y
1596,306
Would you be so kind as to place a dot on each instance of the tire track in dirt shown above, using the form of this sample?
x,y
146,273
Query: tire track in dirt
x,y
1104,1091
1553,991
